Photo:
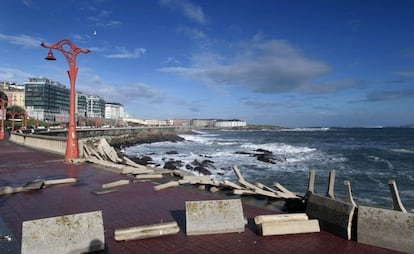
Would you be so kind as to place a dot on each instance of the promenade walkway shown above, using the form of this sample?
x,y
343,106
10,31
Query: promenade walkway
x,y
136,204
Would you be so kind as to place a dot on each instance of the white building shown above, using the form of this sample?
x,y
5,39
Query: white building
x,y
114,110
229,123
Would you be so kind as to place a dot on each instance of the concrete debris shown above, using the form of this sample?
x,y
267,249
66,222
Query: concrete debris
x,y
214,217
104,191
35,185
166,185
75,233
281,224
115,184
149,231
100,152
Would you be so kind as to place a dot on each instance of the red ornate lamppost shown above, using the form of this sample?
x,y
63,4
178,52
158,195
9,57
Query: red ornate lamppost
x,y
70,51
3,105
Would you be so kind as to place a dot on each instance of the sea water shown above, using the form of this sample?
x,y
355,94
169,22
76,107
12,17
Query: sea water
x,y
367,157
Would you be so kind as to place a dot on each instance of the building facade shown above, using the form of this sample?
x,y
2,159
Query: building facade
x,y
46,100
229,123
15,94
114,110
81,104
95,106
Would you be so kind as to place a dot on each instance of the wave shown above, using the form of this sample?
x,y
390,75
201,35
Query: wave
x,y
279,148
307,129
402,150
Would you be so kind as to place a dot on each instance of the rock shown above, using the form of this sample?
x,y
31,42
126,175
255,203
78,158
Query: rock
x,y
173,164
142,160
171,152
202,170
202,167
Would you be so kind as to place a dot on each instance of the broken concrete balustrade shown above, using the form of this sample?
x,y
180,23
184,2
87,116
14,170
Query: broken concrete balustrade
x,y
75,233
214,216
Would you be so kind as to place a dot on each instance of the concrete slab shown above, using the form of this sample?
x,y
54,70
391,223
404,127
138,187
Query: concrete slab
x,y
289,227
76,233
214,216
334,216
386,228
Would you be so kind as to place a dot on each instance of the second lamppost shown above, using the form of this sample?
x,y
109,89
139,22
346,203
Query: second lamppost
x,y
70,51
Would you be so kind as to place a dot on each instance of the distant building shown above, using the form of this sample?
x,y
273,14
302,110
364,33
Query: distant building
x,y
179,122
46,100
95,106
217,123
114,110
15,94
229,123
81,104
202,123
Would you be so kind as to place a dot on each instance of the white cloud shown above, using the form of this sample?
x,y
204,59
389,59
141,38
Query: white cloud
x,y
22,40
409,73
13,75
192,32
331,86
191,11
123,53
91,83
271,66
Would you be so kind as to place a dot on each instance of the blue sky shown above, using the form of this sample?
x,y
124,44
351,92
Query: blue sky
x,y
292,63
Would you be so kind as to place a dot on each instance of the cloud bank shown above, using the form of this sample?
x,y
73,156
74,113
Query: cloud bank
x,y
271,66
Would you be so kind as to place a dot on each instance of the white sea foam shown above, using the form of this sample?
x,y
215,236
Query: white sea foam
x,y
307,129
402,150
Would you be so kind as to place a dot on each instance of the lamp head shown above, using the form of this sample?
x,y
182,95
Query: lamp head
x,y
50,56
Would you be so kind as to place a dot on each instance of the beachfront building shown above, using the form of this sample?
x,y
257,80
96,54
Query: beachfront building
x,y
14,92
234,123
202,123
179,122
114,110
81,104
95,106
46,100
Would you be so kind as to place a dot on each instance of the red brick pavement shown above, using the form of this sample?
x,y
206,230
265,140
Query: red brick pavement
x,y
136,204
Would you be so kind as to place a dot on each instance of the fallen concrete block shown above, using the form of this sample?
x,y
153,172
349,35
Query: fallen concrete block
x,y
60,181
334,216
134,170
280,217
104,191
386,228
76,233
154,176
214,216
289,227
166,185
142,232
196,178
115,184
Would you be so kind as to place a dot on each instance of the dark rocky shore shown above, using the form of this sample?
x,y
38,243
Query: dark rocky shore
x,y
203,167
142,137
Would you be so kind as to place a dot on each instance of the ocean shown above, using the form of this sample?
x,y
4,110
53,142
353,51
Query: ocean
x,y
367,157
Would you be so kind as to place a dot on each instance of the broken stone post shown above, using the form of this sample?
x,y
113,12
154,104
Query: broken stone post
x,y
331,186
398,206
348,193
311,184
